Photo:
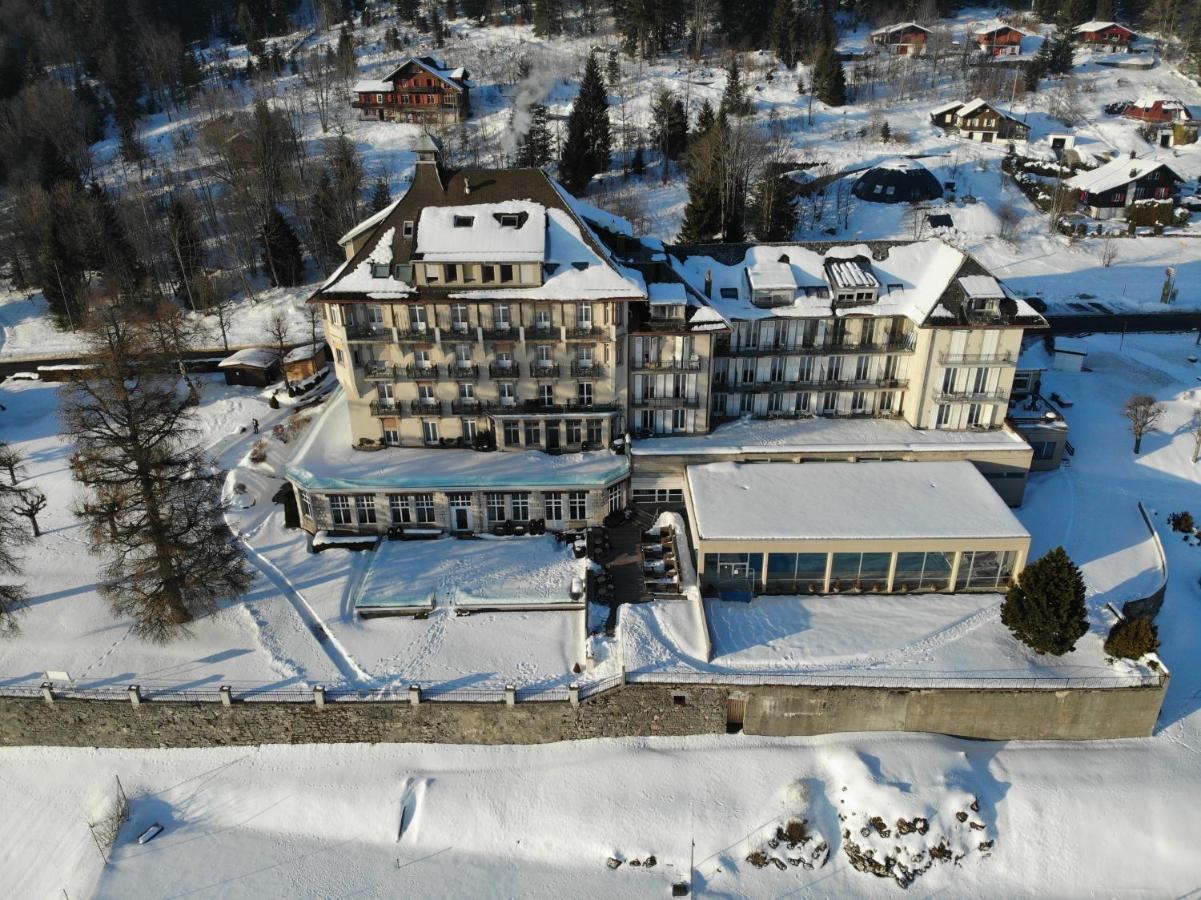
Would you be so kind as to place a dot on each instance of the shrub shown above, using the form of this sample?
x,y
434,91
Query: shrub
x,y
1182,521
1045,607
1132,638
258,453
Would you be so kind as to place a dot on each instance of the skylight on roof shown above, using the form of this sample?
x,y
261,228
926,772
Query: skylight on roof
x,y
464,221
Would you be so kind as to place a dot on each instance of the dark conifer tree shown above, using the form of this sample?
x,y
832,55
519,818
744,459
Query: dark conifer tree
x,y
534,147
548,17
734,101
1045,608
588,147
703,214
282,259
704,119
785,32
829,80
773,209
381,195
187,250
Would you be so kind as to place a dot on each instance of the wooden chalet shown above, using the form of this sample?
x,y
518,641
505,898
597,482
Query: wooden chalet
x,y
902,39
420,89
1107,191
999,40
1104,36
979,120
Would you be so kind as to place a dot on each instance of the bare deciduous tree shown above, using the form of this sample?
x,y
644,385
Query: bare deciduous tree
x,y
1195,430
277,330
29,503
10,461
1143,412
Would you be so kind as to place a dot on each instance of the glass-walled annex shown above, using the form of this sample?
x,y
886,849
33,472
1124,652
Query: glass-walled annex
x,y
871,572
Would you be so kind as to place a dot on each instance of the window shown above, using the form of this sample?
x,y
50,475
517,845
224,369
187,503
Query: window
x,y
533,434
521,506
542,320
980,381
943,416
546,355
584,393
729,293
506,273
462,355
459,317
1043,449
399,510
466,392
488,273
339,509
577,505
424,506
973,414
858,401
464,221
495,505
417,320
922,572
615,497
339,356
509,220
595,431
511,434
829,402
508,393
429,431
380,270
546,394
553,506
364,507
796,573
984,569
583,315
433,274
659,495
392,437
468,427
859,571
306,508
573,431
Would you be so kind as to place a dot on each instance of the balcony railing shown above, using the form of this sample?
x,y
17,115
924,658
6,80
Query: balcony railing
x,y
836,384
981,359
587,370
577,332
415,335
426,407
540,330
971,396
465,407
900,345
668,365
385,408
497,333
378,370
669,402
497,370
544,370
537,407
463,370
423,373
366,332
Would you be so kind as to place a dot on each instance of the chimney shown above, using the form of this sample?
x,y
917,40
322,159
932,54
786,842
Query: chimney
x,y
466,185
709,283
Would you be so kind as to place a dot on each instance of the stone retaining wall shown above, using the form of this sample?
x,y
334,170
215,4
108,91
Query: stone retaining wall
x,y
632,710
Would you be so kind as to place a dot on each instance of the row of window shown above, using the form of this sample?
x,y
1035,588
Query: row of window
x,y
658,495
406,509
577,431
418,318
793,334
584,357
777,369
826,403
840,572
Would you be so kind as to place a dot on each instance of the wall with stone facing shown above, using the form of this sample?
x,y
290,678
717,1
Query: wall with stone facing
x,y
633,710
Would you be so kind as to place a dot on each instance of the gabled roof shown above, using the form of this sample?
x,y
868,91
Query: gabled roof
x,y
1096,25
454,77
994,27
901,26
1116,173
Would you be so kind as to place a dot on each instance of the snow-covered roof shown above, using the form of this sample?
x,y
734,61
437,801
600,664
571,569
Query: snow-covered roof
x,y
435,67
325,460
304,351
990,27
361,279
368,223
492,232
900,26
851,273
1095,25
1146,102
1116,173
912,278
946,108
982,287
667,293
371,86
825,434
847,501
771,275
971,106
250,358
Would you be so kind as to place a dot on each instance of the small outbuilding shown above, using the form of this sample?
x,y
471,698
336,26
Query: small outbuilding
x,y
305,361
1070,354
253,366
897,181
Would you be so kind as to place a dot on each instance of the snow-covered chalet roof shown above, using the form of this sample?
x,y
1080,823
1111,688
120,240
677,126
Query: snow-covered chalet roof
x,y
1095,25
371,86
1116,173
816,501
900,26
250,358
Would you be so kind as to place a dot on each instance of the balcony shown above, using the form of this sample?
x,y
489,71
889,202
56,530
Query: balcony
x,y
463,371
587,370
754,387
971,396
541,330
537,407
459,331
899,345
668,365
470,407
415,336
367,333
426,408
669,402
423,373
498,370
378,370
544,370
983,359
385,408
586,332
501,333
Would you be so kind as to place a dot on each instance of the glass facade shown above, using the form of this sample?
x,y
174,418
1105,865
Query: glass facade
x,y
923,571
984,570
796,573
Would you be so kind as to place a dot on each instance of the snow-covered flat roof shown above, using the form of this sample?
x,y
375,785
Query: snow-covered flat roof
x,y
847,501
484,572
251,358
325,461
982,287
304,351
666,293
483,232
372,86
824,433
1116,173
766,275
1075,346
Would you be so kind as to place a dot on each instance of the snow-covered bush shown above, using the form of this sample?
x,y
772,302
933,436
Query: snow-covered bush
x,y
1132,638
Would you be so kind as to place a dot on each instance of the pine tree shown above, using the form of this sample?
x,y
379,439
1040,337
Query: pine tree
x,y
702,215
282,259
704,119
734,101
638,162
773,209
187,248
1059,57
534,147
829,80
1045,608
669,127
588,148
885,131
548,17
408,10
169,554
613,71
381,195
784,32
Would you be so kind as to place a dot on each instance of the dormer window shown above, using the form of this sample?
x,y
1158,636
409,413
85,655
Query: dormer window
x,y
407,229
464,221
550,268
509,220
729,293
582,266
380,270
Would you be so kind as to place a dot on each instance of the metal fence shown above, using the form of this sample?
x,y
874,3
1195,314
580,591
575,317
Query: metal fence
x,y
950,680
